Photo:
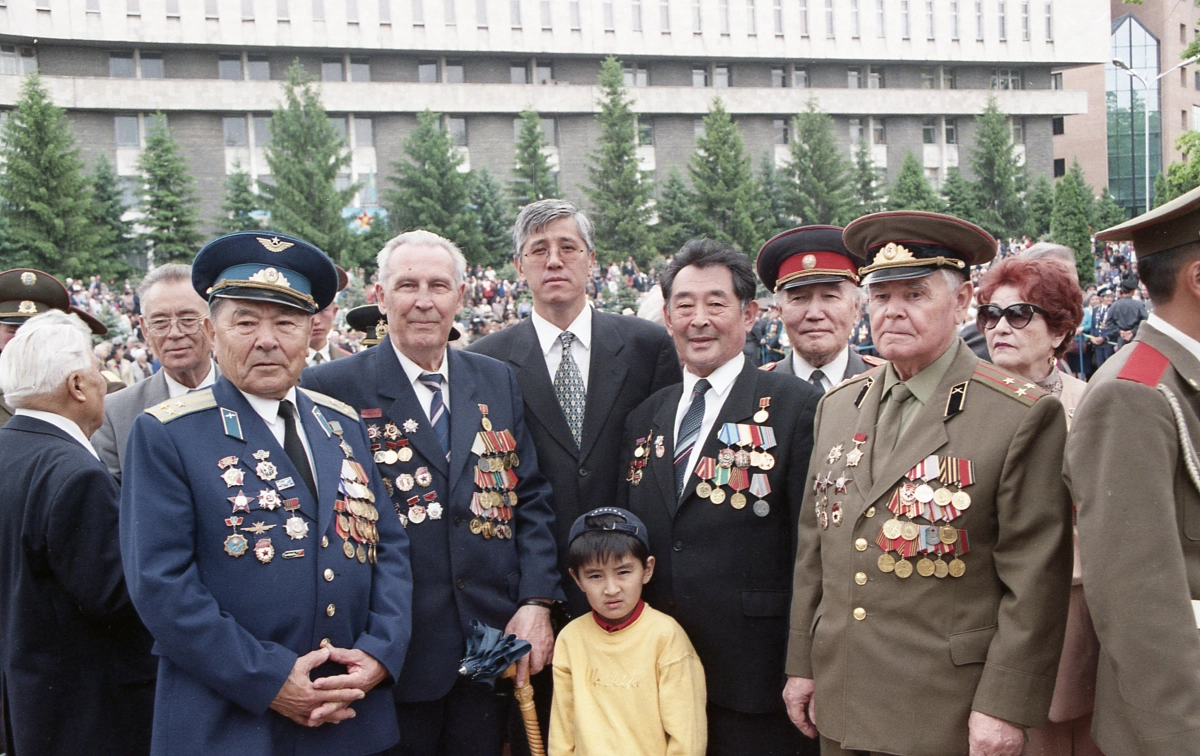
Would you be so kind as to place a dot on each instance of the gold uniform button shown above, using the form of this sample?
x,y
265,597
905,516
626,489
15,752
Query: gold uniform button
x,y
860,613
870,511
324,542
860,544
329,575
860,578
329,610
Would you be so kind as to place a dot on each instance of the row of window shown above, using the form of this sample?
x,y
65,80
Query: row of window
x,y
862,15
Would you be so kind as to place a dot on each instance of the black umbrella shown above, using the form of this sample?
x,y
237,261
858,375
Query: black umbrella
x,y
492,654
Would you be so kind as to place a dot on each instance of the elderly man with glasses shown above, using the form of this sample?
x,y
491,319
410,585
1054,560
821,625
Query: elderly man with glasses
x,y
178,331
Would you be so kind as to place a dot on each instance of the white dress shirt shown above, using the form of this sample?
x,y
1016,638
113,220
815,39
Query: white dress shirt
x,y
1174,334
833,372
424,395
175,389
581,348
64,424
323,351
722,380
268,410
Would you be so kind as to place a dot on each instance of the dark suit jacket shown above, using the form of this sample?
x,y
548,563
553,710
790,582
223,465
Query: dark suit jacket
x,y
725,574
630,360
78,672
855,365
457,576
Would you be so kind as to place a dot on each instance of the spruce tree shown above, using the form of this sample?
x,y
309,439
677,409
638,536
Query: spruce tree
x,y
726,195
867,180
1040,203
999,177
1106,213
817,176
618,189
960,196
305,156
240,202
911,190
1069,223
117,250
532,178
429,192
676,214
774,213
168,202
495,221
45,194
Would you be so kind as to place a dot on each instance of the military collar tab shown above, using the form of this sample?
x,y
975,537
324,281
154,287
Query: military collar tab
x,y
957,400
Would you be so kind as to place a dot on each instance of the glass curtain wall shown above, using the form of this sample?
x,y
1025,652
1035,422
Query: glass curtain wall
x,y
1131,106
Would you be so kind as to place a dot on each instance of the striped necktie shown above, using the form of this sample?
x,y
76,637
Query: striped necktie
x,y
439,416
689,431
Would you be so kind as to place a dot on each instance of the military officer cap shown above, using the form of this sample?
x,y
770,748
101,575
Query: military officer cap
x,y
343,278
25,292
1129,283
904,244
92,321
276,268
806,255
1164,228
368,319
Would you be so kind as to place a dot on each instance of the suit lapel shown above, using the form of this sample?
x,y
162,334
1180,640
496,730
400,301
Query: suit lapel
x,y
868,414
664,466
855,365
392,382
465,417
327,458
606,377
537,387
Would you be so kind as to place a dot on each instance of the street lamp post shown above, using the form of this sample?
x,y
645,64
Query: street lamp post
x,y
1146,109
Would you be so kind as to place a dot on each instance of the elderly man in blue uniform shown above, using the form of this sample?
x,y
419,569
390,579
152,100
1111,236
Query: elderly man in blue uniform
x,y
278,597
448,433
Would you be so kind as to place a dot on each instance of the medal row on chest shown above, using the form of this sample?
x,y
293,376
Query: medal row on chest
x,y
926,492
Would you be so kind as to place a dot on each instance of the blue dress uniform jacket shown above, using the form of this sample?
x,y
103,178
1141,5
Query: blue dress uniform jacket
x,y
228,628
458,576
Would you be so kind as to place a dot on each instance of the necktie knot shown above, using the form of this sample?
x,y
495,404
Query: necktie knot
x,y
439,416
702,386
900,393
567,339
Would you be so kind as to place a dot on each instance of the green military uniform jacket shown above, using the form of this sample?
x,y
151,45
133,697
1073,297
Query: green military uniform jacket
x,y
1133,470
899,663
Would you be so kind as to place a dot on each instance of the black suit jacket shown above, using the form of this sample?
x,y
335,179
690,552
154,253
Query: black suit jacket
x,y
457,576
630,360
78,673
726,574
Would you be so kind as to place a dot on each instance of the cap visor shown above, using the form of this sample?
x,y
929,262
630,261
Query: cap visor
x,y
900,274
262,295
814,280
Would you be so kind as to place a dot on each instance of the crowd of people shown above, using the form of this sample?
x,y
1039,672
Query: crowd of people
x,y
927,472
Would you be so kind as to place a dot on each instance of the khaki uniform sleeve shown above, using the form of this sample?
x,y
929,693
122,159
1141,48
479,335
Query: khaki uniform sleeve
x,y
681,702
806,580
562,708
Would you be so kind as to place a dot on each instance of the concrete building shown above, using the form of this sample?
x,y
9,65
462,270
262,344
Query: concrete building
x,y
907,75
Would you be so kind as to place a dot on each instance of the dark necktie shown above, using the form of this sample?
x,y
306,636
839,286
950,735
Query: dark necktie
x,y
439,417
689,431
816,377
294,447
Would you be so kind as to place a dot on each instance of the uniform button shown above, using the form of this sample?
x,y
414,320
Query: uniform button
x,y
583,472
329,575
860,544
860,613
679,545
330,610
457,521
870,511
461,584
860,578
324,541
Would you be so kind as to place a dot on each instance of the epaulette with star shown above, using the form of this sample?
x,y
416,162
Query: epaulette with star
x,y
331,403
1009,384
193,401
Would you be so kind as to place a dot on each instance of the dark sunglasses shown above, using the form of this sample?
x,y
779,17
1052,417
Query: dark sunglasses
x,y
1018,315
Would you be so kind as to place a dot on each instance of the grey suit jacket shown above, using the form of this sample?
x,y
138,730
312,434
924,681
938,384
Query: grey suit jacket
x,y
855,366
120,410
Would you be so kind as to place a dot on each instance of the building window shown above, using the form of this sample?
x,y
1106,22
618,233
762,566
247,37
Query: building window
x,y
247,10
1018,130
1060,167
518,73
448,12
481,14
133,8
210,9
1183,34
1056,81
854,78
1006,78
880,20
854,26
777,16
360,69
610,22
418,12
723,16
236,133
856,130
229,67
544,12
928,78
954,20
929,20
829,26
318,10
699,76
800,78
1183,77
951,129
364,132
331,69
751,20
15,60
1197,83
1002,20
875,77
1025,20
575,14
1183,120
258,68
645,131
722,77
781,131
1049,22
151,65
427,71
456,129
262,130
905,21
126,128
698,129
121,65
803,18
878,131
778,78
635,14
929,131
1056,125
515,13
281,10
697,25
637,76
543,73
93,6
385,12
949,78
979,20
453,73
664,16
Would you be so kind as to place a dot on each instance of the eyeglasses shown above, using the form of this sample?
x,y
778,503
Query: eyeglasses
x,y
1018,315
188,325
566,254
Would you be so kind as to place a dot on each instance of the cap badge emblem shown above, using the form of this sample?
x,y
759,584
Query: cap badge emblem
x,y
28,278
271,276
27,307
274,244
809,262
893,252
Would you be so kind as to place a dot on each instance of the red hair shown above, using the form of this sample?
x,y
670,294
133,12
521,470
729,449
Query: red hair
x,y
1044,282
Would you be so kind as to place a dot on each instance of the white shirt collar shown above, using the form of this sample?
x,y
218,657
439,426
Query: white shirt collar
x,y
548,333
833,372
268,409
176,389
720,379
414,371
65,424
1176,335
324,351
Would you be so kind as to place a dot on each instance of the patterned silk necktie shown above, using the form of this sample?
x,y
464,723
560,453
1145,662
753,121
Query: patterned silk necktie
x,y
439,417
568,387
689,431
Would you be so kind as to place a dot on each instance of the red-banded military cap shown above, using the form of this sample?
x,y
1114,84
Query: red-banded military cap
x,y
903,244
806,255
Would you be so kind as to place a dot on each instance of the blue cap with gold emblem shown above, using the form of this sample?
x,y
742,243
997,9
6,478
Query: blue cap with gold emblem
x,y
275,268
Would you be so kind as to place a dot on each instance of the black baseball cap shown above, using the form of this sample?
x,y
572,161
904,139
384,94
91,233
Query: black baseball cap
x,y
631,525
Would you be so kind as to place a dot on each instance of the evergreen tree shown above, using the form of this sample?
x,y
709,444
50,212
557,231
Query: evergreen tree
x,y
117,249
240,202
959,196
1106,213
495,221
1069,224
305,156
45,193
817,177
771,183
168,202
911,190
726,195
532,178
431,193
618,189
867,180
999,177
676,214
1039,201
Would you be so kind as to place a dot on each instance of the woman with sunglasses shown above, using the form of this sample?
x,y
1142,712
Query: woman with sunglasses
x,y
1028,312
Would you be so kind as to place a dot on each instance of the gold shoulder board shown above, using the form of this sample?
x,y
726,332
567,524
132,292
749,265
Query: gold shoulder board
x,y
331,403
1011,385
184,405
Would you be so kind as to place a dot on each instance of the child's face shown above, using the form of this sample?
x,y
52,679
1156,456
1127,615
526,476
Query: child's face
x,y
614,587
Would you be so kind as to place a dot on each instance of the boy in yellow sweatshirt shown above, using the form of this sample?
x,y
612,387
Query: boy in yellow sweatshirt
x,y
626,678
